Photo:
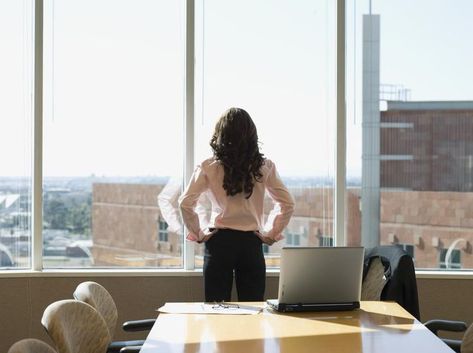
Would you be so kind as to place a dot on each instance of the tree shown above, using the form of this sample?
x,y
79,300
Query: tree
x,y
79,219
55,213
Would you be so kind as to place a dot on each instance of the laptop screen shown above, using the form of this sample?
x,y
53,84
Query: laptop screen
x,y
320,275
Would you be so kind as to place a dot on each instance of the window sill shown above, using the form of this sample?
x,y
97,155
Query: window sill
x,y
420,274
102,273
435,274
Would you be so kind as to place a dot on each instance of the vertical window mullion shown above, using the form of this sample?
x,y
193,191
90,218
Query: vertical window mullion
x,y
37,181
340,155
189,262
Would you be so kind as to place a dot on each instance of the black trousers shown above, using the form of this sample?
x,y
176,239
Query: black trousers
x,y
230,252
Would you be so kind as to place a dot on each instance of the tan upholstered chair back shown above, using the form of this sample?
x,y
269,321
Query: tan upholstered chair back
x,y
31,345
75,327
97,296
374,281
467,342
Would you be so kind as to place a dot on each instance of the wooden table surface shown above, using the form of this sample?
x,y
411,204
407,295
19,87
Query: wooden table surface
x,y
381,327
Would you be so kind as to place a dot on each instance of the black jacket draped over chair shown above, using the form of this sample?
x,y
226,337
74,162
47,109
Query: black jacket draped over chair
x,y
401,285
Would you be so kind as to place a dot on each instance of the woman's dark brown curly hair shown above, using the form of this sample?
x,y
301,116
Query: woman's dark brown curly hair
x,y
235,145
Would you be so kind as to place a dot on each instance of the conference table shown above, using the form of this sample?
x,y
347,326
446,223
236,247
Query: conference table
x,y
381,327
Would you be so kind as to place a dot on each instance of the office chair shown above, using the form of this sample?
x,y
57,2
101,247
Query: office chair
x,y
465,345
97,296
467,342
399,276
75,327
31,345
373,281
131,349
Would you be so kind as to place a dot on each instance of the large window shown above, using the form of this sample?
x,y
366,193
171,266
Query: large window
x,y
119,105
410,128
16,80
113,138
277,61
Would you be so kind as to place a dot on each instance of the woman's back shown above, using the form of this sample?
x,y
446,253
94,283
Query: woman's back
x,y
235,180
239,211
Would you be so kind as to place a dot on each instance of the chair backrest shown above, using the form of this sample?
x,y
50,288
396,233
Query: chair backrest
x,y
75,327
467,342
31,345
374,280
401,285
97,296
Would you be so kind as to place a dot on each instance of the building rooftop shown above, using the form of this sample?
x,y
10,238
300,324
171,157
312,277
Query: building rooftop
x,y
430,105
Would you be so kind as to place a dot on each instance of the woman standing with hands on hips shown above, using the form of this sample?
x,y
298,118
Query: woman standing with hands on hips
x,y
235,180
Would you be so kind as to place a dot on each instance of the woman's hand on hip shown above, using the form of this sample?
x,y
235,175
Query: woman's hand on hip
x,y
207,234
264,239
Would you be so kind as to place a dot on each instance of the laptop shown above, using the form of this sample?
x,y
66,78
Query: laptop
x,y
319,279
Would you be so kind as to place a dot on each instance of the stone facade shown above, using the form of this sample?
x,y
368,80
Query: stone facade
x,y
125,225
431,222
125,228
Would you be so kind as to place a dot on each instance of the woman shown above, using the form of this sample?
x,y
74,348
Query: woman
x,y
235,180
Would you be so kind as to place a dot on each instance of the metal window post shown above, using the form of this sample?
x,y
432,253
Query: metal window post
x,y
189,116
37,182
340,171
370,172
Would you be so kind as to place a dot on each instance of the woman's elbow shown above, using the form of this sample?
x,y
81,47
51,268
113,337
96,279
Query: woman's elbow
x,y
289,207
185,204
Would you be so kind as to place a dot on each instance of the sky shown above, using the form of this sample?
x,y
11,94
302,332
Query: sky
x,y
114,85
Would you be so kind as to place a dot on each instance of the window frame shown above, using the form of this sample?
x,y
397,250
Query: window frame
x,y
37,180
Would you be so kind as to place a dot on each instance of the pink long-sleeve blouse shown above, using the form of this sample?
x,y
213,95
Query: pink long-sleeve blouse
x,y
236,212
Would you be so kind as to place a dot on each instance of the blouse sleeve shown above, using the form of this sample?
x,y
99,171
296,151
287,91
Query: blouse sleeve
x,y
188,201
283,202
167,202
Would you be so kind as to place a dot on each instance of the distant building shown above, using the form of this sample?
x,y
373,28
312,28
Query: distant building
x,y
128,229
427,146
8,202
426,180
436,228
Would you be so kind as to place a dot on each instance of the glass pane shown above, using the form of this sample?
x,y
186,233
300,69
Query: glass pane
x,y
16,84
411,129
276,61
113,132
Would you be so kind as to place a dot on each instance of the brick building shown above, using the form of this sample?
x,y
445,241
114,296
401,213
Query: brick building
x,y
128,229
427,146
426,160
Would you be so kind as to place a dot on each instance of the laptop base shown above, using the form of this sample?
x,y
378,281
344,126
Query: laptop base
x,y
301,307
